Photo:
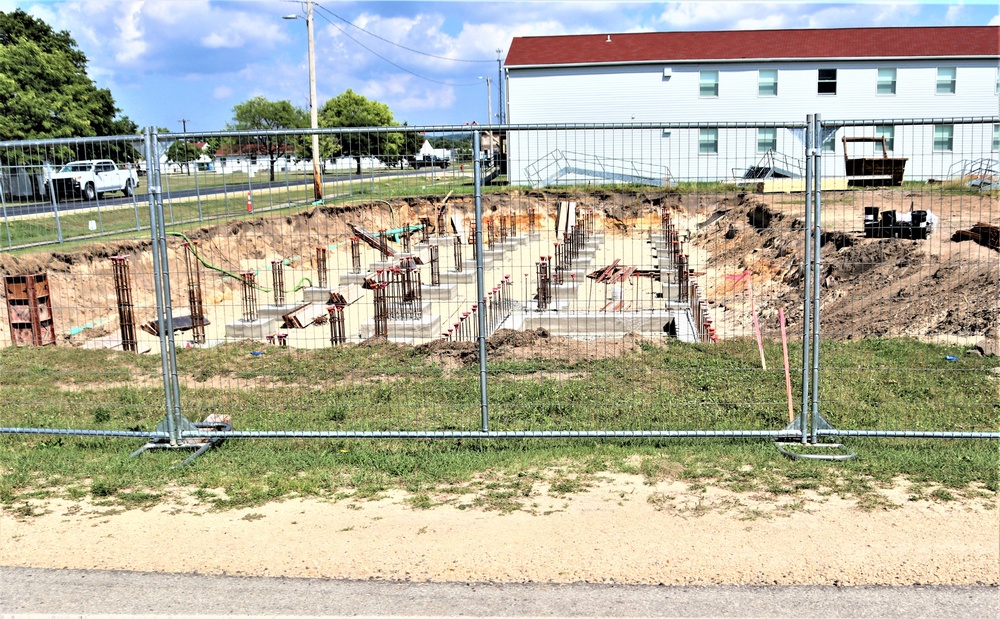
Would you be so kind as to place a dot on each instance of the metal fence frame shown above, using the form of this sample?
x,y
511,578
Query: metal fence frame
x,y
809,427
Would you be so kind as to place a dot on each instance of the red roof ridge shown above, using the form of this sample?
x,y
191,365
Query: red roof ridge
x,y
742,45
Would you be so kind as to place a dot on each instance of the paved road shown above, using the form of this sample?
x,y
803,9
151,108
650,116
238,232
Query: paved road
x,y
76,593
15,209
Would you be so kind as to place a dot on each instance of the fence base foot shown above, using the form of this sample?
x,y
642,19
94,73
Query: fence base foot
x,y
200,445
813,451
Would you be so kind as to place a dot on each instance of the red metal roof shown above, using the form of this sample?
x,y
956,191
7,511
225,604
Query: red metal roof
x,y
935,41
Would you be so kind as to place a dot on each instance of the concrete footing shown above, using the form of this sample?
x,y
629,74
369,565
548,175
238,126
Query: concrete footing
x,y
613,324
428,327
443,292
250,330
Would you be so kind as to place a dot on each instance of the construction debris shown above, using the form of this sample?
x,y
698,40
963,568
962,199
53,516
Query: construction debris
x,y
180,323
982,233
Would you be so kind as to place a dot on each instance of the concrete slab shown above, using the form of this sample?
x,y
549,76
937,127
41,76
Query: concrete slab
x,y
442,292
275,312
250,330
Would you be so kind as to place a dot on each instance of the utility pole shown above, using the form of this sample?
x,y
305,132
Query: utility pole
x,y
501,104
313,113
184,129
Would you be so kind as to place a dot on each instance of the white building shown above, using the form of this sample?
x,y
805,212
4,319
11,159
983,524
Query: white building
x,y
772,76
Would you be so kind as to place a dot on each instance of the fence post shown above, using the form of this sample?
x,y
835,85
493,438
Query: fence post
x,y
807,279
480,278
817,268
152,189
54,201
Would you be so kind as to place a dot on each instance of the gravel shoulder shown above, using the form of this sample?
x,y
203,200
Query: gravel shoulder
x,y
619,530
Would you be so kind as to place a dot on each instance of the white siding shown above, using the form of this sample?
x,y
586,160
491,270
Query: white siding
x,y
644,93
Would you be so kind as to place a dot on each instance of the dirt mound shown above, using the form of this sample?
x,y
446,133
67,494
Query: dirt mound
x,y
869,287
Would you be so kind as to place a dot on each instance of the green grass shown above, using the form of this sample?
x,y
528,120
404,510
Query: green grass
x,y
879,384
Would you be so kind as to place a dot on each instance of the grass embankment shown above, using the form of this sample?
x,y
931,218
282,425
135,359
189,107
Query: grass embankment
x,y
879,384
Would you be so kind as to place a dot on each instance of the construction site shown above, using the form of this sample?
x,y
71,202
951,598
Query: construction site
x,y
590,266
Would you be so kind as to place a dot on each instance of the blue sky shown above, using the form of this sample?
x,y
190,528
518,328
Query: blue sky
x,y
165,60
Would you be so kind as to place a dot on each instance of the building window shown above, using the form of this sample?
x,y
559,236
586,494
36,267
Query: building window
x,y
827,82
708,84
708,141
944,137
767,83
888,132
886,82
946,77
767,139
996,137
829,142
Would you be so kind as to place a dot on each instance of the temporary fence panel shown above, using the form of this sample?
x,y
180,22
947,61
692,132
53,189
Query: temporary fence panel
x,y
910,265
73,329
613,280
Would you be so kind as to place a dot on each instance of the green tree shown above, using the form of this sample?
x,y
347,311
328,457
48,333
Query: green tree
x,y
182,151
270,116
349,109
44,88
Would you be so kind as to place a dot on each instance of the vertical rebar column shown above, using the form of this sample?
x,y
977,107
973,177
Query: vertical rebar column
x,y
338,333
682,278
195,301
425,229
249,296
513,225
383,244
472,241
441,226
435,266
381,310
356,254
278,281
491,233
321,267
531,220
503,228
123,292
458,254
406,238
542,268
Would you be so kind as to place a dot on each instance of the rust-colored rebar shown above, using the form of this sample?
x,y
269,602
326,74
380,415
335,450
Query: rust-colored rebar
x,y
404,299
249,281
441,226
503,228
683,278
531,220
425,229
435,265
406,238
383,244
338,332
123,292
278,281
381,310
356,254
321,267
195,300
544,283
458,254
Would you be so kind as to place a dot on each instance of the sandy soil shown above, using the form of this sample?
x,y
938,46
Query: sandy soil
x,y
619,530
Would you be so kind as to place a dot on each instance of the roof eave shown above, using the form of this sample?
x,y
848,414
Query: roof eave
x,y
747,60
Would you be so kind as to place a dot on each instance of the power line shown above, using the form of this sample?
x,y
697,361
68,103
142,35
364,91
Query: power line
x,y
399,45
401,68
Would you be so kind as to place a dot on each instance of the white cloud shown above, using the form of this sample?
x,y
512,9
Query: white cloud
x,y
954,13
222,92
995,21
132,44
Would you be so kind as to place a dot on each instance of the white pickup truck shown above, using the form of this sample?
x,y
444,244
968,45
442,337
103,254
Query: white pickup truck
x,y
93,178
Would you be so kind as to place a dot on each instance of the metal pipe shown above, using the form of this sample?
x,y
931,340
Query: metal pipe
x,y
817,269
152,188
807,278
477,162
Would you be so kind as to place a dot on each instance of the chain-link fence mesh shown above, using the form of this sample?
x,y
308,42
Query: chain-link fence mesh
x,y
603,280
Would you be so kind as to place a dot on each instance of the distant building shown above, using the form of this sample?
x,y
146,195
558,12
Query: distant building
x,y
770,76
